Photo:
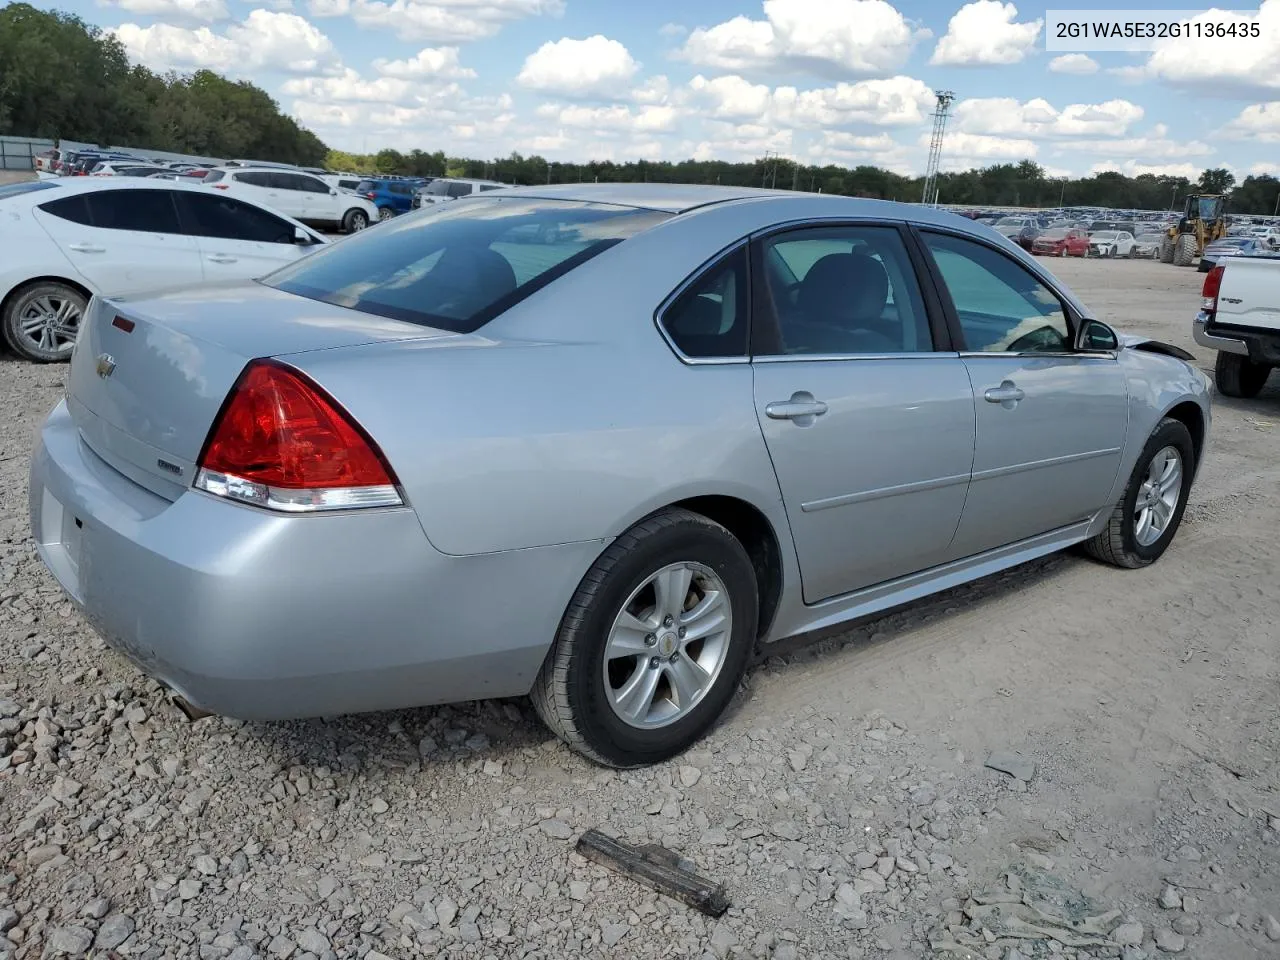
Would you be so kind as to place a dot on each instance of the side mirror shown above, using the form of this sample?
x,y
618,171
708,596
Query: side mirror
x,y
1095,335
302,238
333,192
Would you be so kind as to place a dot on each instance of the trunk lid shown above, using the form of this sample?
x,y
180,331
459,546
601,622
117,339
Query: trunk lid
x,y
149,375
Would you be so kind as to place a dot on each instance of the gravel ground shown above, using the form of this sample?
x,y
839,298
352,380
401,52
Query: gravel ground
x,y
844,801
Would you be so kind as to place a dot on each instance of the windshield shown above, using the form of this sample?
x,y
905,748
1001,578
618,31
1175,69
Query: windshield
x,y
462,264
1105,235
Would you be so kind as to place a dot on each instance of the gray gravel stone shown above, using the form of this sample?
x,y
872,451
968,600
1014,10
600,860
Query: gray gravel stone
x,y
1170,899
556,829
69,941
113,931
1170,941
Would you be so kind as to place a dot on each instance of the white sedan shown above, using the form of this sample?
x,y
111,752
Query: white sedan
x,y
1112,243
64,240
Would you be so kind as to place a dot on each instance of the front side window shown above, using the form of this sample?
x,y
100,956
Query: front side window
x,y
145,211
459,190
309,184
463,266
1001,305
221,217
839,291
709,319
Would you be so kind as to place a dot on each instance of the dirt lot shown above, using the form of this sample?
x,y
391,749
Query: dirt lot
x,y
844,801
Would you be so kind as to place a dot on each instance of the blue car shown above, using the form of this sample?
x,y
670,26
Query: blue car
x,y
1232,247
392,196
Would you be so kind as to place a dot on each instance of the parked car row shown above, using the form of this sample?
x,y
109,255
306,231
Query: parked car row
x,y
66,240
303,196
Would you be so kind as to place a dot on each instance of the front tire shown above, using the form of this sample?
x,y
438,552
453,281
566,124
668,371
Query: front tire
x,y
653,644
1143,523
355,220
1238,376
1185,250
42,321
385,214
1166,250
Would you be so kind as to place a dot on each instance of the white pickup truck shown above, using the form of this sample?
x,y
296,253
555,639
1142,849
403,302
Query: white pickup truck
x,y
1240,318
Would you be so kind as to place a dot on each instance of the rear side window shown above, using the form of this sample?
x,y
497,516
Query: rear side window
x,y
709,319
216,215
490,186
73,209
252,179
465,265
213,176
145,211
459,189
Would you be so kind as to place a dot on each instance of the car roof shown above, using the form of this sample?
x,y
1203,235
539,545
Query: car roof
x,y
667,197
72,185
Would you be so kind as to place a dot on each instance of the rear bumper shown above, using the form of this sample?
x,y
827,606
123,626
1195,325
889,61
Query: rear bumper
x,y
1260,346
264,617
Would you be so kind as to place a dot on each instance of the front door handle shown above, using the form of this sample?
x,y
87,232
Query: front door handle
x,y
86,248
801,409
222,258
1007,394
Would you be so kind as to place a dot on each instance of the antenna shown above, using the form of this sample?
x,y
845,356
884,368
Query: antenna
x,y
945,99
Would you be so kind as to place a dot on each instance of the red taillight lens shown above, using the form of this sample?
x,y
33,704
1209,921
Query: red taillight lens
x,y
281,442
371,196
220,186
1209,293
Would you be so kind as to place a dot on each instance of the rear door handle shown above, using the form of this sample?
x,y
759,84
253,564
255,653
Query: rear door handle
x,y
86,248
1007,394
222,258
800,409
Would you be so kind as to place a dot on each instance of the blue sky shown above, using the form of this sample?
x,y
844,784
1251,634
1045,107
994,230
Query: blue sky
x,y
843,81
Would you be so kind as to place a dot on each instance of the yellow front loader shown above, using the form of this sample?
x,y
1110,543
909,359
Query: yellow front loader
x,y
1203,221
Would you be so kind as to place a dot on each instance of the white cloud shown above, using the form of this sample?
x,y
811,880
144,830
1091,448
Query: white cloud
x,y
1157,145
349,86
435,62
985,33
1075,63
441,21
265,40
672,30
1230,65
970,149
656,89
739,142
651,119
1136,168
893,101
1007,116
206,11
1259,122
1264,170
850,149
858,36
596,66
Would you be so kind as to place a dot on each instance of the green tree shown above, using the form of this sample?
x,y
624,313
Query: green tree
x,y
1217,180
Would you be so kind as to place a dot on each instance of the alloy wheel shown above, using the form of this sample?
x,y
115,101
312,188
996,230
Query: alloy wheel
x,y
1158,496
667,645
50,323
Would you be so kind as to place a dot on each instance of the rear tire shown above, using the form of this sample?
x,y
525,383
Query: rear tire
x,y
575,694
1238,376
1184,252
42,320
1121,543
354,220
385,214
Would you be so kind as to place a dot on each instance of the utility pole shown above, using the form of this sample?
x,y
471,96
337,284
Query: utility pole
x,y
795,176
945,99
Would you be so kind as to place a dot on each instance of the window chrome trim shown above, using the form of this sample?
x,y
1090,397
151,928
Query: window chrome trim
x,y
1095,354
908,355
703,268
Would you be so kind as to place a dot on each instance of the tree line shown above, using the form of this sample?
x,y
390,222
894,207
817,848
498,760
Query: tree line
x,y
63,78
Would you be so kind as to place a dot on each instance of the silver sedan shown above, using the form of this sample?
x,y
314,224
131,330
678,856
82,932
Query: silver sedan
x,y
595,444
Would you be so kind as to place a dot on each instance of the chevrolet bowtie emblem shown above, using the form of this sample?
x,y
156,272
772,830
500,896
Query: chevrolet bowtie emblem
x,y
106,365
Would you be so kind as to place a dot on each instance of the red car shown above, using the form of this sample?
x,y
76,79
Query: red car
x,y
1062,242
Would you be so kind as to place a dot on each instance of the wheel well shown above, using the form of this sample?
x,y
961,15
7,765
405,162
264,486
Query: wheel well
x,y
8,297
1190,416
756,534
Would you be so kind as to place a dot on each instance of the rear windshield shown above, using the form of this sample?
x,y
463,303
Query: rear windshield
x,y
366,186
464,263
27,186
1057,233
213,176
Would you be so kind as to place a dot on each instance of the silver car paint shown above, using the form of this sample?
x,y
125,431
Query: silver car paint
x,y
525,448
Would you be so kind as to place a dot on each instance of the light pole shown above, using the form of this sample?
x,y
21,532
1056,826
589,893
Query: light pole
x,y
1063,192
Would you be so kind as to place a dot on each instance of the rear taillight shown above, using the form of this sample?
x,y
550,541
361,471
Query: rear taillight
x,y
371,196
1209,293
282,443
220,186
